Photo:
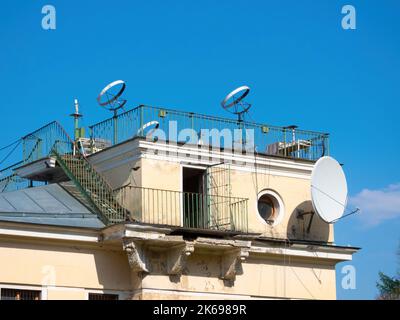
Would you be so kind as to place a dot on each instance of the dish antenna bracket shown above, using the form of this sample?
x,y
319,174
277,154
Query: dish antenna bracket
x,y
302,213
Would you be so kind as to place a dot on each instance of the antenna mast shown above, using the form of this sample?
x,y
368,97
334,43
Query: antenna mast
x,y
76,116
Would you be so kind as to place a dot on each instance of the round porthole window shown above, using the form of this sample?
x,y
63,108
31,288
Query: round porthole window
x,y
270,207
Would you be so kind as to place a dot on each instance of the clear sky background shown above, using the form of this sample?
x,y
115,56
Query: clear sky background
x,y
302,67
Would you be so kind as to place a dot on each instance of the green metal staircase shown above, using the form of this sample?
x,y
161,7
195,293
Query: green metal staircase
x,y
52,140
93,187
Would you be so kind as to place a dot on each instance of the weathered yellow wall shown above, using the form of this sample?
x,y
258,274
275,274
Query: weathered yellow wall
x,y
161,175
262,278
74,265
167,175
124,175
70,271
96,267
294,192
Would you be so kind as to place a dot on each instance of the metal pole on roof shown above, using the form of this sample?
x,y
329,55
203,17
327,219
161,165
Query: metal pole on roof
x,y
76,115
115,125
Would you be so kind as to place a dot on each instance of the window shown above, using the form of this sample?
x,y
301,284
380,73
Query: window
x,y
17,294
266,208
270,207
102,296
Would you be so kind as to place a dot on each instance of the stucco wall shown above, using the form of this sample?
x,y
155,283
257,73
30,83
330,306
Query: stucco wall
x,y
259,278
294,192
288,179
70,271
37,263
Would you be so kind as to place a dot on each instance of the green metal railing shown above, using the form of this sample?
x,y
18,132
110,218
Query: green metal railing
x,y
92,186
9,181
184,209
273,140
40,143
52,140
35,145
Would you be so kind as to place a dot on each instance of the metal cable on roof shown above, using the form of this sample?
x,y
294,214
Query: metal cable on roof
x,y
11,144
10,153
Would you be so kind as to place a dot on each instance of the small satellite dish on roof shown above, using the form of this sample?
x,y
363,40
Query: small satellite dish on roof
x,y
234,102
328,189
152,126
109,97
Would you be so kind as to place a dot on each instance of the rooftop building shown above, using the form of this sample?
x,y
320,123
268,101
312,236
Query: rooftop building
x,y
158,203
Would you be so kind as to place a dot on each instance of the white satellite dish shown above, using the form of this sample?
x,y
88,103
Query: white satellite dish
x,y
234,97
328,189
234,103
152,126
109,96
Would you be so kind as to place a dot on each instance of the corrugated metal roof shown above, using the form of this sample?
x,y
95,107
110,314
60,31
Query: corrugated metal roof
x,y
50,204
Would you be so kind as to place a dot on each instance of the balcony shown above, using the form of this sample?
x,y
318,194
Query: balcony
x,y
184,209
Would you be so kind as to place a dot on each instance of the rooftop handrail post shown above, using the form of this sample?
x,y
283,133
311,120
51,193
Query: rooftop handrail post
x,y
115,127
284,142
192,123
23,150
326,140
141,119
242,133
91,139
294,141
39,148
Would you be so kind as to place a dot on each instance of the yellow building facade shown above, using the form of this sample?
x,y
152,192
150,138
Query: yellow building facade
x,y
200,223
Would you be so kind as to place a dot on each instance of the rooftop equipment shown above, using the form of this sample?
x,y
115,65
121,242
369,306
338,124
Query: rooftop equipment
x,y
234,103
109,98
328,192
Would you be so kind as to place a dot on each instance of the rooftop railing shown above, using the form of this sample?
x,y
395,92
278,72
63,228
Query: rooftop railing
x,y
39,143
184,209
176,126
9,181
34,146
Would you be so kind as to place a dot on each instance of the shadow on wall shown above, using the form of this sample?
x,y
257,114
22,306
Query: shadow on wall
x,y
112,269
308,226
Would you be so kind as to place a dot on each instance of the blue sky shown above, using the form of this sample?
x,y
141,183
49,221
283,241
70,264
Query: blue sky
x,y
303,68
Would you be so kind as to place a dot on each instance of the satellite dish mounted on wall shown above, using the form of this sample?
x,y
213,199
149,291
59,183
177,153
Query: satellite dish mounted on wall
x,y
328,192
328,189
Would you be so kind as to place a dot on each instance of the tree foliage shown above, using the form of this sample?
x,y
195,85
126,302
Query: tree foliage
x,y
389,287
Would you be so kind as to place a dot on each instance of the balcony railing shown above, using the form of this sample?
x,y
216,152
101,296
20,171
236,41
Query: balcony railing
x,y
184,209
278,141
34,146
9,181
